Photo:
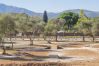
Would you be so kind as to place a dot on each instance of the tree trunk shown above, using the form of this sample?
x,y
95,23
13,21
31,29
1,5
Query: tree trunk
x,y
3,47
22,37
31,41
44,37
83,38
56,37
11,42
4,50
93,38
10,38
15,37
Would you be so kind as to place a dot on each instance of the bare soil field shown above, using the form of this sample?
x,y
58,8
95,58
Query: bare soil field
x,y
96,46
81,52
72,53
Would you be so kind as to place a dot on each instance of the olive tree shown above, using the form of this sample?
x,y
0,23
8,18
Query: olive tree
x,y
7,26
95,29
53,26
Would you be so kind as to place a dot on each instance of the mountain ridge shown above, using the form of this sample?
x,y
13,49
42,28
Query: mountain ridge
x,y
13,9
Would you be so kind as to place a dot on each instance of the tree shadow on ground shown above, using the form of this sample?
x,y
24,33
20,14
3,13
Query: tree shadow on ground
x,y
65,58
32,56
21,58
8,42
31,49
16,59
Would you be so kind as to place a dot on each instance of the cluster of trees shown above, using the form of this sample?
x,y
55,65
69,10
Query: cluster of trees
x,y
11,24
87,26
69,22
74,23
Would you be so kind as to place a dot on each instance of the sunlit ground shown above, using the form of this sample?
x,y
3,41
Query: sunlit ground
x,y
71,51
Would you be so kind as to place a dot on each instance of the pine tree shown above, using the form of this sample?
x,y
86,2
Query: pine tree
x,y
45,17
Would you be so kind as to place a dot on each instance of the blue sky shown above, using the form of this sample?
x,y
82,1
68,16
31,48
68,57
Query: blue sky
x,y
54,5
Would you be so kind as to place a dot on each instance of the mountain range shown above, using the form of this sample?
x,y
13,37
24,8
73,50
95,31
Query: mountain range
x,y
13,9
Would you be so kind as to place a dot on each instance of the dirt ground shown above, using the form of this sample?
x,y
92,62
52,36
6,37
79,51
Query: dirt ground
x,y
88,52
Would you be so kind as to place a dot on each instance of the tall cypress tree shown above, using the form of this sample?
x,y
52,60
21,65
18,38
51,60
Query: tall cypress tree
x,y
45,17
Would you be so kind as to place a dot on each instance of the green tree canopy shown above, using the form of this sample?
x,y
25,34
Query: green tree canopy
x,y
70,18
